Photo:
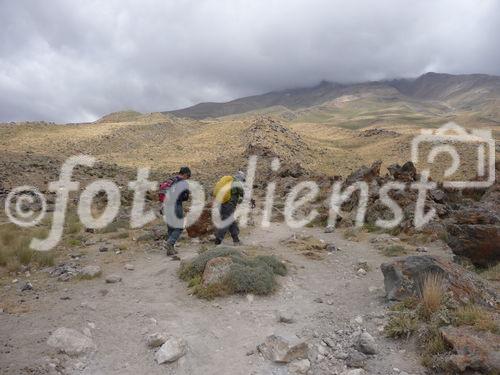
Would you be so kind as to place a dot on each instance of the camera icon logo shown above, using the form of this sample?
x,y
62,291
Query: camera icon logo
x,y
443,141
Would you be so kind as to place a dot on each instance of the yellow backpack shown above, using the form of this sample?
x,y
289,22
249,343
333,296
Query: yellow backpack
x,y
222,190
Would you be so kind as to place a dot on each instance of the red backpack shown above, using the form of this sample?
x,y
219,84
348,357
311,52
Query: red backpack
x,y
165,186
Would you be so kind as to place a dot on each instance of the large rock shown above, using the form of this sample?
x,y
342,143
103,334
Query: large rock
x,y
173,349
281,350
406,173
474,228
71,342
472,350
365,173
404,277
216,270
366,344
155,340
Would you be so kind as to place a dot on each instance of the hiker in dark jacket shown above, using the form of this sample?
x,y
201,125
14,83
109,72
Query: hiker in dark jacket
x,y
176,194
227,210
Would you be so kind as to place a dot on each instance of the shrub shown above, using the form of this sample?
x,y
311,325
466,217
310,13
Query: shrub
x,y
246,274
247,279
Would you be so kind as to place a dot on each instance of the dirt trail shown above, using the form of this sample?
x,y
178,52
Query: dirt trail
x,y
219,333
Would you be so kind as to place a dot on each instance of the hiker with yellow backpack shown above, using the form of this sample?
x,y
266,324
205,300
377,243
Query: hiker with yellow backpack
x,y
228,192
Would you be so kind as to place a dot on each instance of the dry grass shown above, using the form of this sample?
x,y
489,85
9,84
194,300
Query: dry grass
x,y
431,295
492,273
15,251
476,316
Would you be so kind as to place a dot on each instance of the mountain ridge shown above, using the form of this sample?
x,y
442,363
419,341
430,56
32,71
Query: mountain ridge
x,y
457,90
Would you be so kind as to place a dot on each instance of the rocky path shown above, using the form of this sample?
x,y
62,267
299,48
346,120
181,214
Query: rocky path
x,y
328,301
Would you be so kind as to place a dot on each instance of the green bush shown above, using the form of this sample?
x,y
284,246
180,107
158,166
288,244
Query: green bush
x,y
247,279
246,274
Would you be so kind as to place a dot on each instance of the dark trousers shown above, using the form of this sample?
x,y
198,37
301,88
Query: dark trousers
x,y
226,211
174,233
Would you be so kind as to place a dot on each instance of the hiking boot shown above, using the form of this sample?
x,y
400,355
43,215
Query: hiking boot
x,y
217,241
170,249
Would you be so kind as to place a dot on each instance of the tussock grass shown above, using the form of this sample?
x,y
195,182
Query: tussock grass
x,y
431,295
402,325
246,275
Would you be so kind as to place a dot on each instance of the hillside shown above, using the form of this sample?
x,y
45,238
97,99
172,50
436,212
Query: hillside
x,y
454,93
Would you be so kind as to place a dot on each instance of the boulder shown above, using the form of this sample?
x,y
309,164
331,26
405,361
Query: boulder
x,y
365,173
299,367
474,233
111,279
173,349
404,277
472,350
71,342
281,350
406,173
216,270
366,344
155,340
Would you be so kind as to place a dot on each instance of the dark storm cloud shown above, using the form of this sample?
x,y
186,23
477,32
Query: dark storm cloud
x,y
77,60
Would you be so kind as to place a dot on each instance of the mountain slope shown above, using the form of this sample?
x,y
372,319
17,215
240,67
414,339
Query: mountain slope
x,y
469,92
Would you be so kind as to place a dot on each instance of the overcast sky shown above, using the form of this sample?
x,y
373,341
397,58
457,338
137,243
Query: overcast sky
x,y
71,61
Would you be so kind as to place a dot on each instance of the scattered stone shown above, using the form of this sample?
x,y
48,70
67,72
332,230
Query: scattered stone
x,y
358,320
173,349
156,340
281,350
103,249
361,272
357,371
299,367
216,270
90,272
332,248
366,344
112,279
65,271
27,286
356,359
330,229
284,317
129,267
89,305
71,342
318,300
421,249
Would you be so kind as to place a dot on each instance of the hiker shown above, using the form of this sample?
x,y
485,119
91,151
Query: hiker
x,y
173,192
228,202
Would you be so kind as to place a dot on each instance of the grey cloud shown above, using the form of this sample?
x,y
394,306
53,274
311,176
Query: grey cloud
x,y
77,60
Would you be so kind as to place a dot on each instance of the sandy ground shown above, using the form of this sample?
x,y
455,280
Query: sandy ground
x,y
220,333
